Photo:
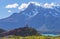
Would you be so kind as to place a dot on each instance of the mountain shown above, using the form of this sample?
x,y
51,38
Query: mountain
x,y
43,17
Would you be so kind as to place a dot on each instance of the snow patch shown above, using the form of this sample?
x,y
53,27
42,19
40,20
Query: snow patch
x,y
23,6
46,5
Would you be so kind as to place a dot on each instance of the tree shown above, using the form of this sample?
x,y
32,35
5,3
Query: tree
x,y
23,31
26,31
2,30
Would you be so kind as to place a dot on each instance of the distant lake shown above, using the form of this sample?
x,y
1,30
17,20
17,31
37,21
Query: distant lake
x,y
50,35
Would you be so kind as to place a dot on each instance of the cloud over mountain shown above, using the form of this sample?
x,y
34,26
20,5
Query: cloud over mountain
x,y
23,6
9,11
15,5
46,5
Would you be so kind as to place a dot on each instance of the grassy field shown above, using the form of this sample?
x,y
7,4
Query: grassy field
x,y
29,37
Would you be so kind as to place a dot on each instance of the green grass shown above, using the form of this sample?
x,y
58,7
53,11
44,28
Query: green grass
x,y
30,37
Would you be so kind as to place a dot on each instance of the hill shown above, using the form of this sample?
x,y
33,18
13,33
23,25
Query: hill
x,y
24,31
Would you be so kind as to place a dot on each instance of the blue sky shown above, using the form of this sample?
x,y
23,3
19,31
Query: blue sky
x,y
6,12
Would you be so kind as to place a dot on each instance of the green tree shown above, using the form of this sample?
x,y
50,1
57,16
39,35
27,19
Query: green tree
x,y
26,31
2,30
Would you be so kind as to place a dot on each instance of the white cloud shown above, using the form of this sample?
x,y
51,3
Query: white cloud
x,y
9,11
46,5
51,5
23,6
15,5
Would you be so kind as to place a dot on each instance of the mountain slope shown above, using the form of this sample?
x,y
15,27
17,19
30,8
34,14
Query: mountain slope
x,y
37,16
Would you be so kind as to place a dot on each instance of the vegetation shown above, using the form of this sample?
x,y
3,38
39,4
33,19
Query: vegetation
x,y
30,37
2,30
24,33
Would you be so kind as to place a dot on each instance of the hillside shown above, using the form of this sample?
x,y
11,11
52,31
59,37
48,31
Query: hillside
x,y
24,31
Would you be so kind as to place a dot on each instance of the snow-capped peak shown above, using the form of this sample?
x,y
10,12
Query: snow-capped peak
x,y
35,3
46,5
25,5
